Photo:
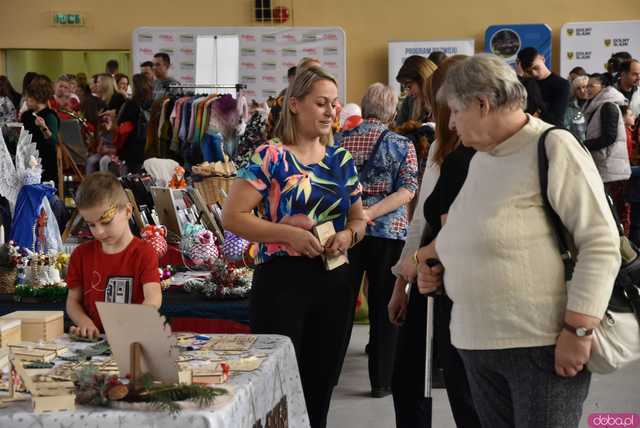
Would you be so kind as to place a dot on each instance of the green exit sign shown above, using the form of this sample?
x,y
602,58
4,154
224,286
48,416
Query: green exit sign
x,y
68,19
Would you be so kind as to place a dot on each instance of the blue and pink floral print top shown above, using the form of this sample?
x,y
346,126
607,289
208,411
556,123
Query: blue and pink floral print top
x,y
301,195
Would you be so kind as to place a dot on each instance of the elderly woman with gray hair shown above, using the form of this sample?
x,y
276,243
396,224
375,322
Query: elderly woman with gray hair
x,y
574,119
388,169
515,321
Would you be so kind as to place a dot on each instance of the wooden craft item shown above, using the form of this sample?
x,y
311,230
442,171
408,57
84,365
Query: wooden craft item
x,y
39,325
207,218
47,395
239,342
142,324
208,375
10,332
244,364
53,347
38,355
323,232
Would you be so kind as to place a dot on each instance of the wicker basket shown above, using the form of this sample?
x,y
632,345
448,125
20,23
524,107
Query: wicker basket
x,y
8,281
210,188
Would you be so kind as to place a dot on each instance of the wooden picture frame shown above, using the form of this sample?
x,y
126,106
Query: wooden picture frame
x,y
142,326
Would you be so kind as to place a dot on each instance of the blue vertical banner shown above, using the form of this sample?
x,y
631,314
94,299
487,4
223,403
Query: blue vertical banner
x,y
506,40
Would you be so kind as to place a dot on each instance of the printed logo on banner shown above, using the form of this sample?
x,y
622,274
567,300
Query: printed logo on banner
x,y
309,37
607,42
187,78
166,38
288,37
167,51
621,42
248,79
570,55
330,51
249,93
583,55
247,37
266,93
269,51
585,31
269,79
329,36
247,52
288,64
289,52
186,65
187,38
268,38
186,51
331,65
505,43
570,32
269,65
248,65
145,38
146,51
313,52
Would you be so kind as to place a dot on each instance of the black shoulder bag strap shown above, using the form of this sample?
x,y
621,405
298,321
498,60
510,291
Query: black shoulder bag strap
x,y
556,222
368,162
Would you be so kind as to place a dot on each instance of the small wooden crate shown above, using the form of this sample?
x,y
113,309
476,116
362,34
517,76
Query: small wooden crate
x,y
10,332
39,325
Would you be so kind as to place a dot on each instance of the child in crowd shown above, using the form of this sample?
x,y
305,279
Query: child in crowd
x,y
629,119
116,267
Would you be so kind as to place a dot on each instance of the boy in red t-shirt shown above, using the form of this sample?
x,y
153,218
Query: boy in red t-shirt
x,y
115,267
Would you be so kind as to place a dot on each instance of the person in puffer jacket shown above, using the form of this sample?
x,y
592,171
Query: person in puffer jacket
x,y
606,139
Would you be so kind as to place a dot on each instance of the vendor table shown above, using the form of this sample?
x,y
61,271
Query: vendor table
x,y
185,311
270,396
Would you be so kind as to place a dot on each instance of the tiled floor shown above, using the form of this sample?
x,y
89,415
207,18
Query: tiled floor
x,y
352,406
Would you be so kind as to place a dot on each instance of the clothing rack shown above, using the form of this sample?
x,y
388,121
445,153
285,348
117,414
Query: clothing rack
x,y
238,87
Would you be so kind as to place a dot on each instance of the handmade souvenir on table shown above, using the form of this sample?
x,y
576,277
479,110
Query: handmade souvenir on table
x,y
39,325
9,260
144,348
178,181
156,236
224,282
47,394
234,247
239,342
199,244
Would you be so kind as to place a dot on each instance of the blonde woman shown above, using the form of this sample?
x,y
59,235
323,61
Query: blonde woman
x,y
298,180
107,91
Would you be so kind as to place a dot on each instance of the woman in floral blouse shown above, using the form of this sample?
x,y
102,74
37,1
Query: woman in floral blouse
x,y
298,181
388,170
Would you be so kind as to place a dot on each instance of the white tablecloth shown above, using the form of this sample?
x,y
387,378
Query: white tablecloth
x,y
255,394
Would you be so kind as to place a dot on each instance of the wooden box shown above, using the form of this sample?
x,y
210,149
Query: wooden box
x,y
39,325
10,332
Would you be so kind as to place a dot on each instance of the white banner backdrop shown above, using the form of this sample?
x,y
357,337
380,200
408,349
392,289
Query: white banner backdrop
x,y
266,53
400,50
590,44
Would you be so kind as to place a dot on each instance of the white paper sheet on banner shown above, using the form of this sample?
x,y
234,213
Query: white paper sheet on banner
x,y
400,50
590,44
266,53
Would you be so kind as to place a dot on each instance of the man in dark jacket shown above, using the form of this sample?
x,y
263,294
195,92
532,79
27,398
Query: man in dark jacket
x,y
554,89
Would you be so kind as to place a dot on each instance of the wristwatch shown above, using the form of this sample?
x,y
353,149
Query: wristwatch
x,y
578,331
